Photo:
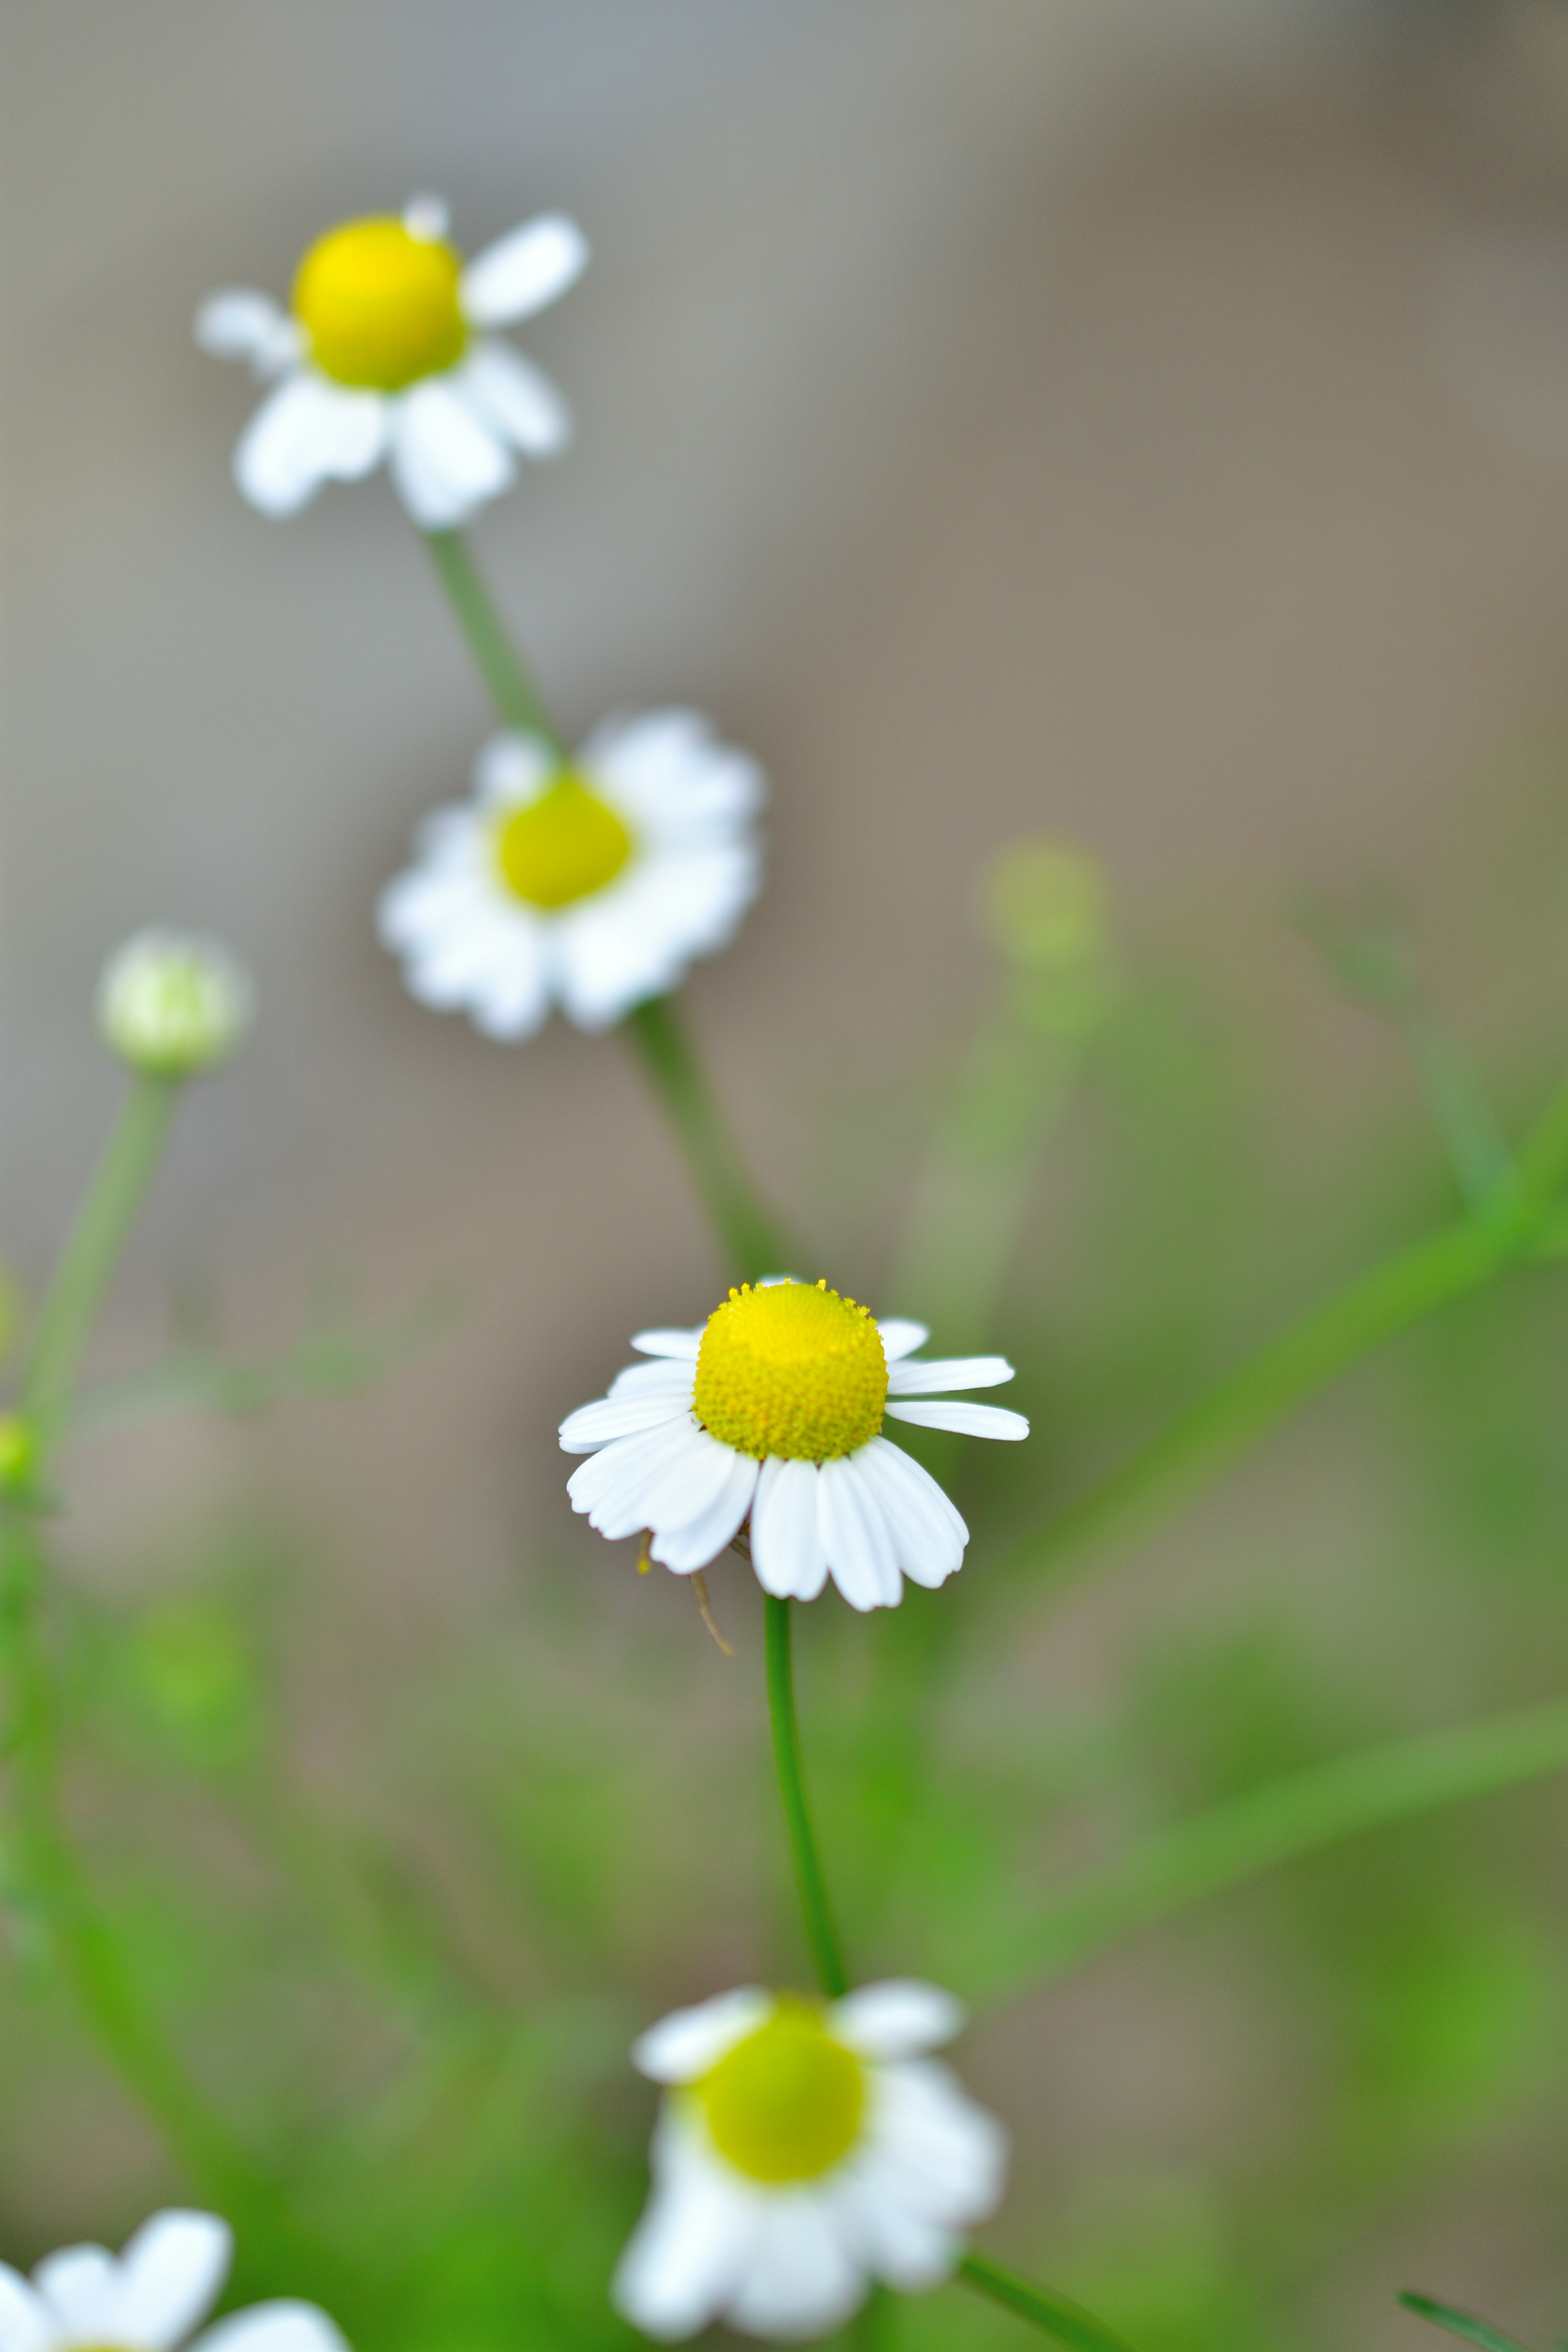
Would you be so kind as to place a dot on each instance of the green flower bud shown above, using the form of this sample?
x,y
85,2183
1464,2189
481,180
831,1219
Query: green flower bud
x,y
1045,904
173,1004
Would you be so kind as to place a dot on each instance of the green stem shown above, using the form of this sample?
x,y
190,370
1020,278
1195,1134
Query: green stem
x,y
505,673
1297,1815
750,1239
1067,2322
821,1933
90,1254
1462,2323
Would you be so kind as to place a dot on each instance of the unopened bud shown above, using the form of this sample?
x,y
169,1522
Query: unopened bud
x,y
173,1004
1045,904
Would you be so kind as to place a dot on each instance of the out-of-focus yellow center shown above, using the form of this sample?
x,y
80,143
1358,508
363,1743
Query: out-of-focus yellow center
x,y
564,845
381,306
786,2103
791,1369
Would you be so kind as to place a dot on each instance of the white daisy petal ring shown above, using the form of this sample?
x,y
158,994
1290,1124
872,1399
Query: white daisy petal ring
x,y
803,2151
590,885
773,1412
385,352
149,2298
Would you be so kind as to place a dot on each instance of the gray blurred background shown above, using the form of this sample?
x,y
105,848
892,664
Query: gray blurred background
x,y
1140,420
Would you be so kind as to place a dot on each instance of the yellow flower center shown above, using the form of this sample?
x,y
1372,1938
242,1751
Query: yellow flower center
x,y
381,306
792,1369
564,845
785,2104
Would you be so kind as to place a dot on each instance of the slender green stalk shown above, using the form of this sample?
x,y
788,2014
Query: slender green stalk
x,y
745,1229
1284,1820
1460,2324
90,1254
1067,2322
820,1931
504,671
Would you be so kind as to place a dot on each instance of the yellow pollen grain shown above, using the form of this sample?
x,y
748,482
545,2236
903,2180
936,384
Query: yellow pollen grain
x,y
791,1369
380,305
563,846
786,2103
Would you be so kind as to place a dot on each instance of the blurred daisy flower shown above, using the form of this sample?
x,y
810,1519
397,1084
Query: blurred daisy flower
x,y
775,1410
172,1003
802,2152
385,352
590,885
149,2298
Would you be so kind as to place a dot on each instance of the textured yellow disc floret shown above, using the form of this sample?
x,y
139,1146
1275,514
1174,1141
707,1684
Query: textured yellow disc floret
x,y
791,1370
564,845
381,306
786,2103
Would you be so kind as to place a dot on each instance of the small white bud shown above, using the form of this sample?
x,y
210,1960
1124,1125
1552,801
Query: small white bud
x,y
172,1003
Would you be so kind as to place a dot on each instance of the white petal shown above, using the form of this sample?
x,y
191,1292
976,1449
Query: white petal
x,y
240,324
689,2041
698,1476
274,2327
683,1344
26,2323
855,1537
800,2279
666,1376
695,2235
463,948
889,2237
513,768
900,1338
446,459
428,217
700,1539
936,2151
786,1545
899,2019
593,1425
78,2285
519,399
170,2274
927,1534
309,432
670,773
948,1372
523,271
635,939
968,1419
612,1487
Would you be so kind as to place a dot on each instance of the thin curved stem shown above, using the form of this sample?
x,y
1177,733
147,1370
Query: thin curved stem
x,y
1040,2305
505,673
820,1932
745,1227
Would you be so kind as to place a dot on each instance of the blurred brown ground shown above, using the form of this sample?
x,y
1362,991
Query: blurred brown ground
x,y
1004,419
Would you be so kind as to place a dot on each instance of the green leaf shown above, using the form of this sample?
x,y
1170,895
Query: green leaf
x,y
1066,2321
1459,2323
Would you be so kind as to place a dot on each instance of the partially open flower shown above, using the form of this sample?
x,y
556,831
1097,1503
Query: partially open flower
x,y
773,1411
590,885
384,353
149,2298
803,2152
172,1003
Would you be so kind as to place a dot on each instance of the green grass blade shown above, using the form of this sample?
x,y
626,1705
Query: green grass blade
x,y
1067,2322
1460,2323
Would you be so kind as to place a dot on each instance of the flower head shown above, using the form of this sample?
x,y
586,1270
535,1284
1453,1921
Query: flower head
x,y
590,884
172,1003
384,353
149,2298
773,1411
802,2152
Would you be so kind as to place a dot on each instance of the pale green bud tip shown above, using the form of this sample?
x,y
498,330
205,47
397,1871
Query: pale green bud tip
x,y
1045,903
18,1451
172,1003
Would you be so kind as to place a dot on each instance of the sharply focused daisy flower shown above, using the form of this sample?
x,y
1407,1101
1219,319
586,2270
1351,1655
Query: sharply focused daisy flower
x,y
590,885
149,2298
802,2152
773,1411
385,352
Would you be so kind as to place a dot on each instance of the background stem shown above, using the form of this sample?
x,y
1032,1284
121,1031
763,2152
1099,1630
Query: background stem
x,y
746,1231
503,667
821,1933
1066,2321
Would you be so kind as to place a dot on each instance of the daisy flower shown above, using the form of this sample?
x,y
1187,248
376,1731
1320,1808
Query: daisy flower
x,y
773,1411
149,2298
384,352
589,884
803,2152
